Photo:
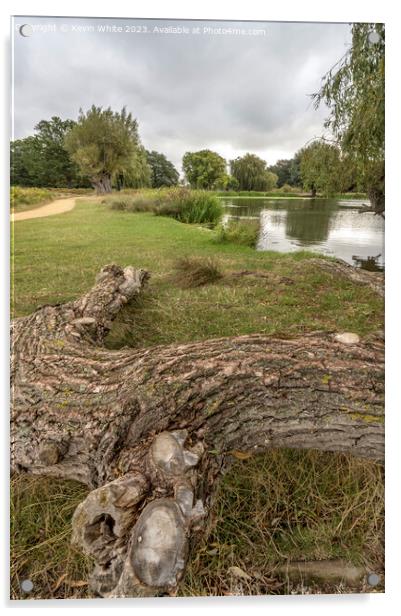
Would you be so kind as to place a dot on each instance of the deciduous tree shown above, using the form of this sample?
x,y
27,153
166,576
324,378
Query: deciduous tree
x,y
252,174
354,91
106,146
320,168
163,172
203,169
42,160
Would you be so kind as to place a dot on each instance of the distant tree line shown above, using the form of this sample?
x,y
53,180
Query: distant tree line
x,y
102,149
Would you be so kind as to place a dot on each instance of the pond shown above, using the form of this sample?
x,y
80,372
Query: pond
x,y
328,226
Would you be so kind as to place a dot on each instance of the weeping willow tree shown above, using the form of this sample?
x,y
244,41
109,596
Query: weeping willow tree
x,y
106,146
354,91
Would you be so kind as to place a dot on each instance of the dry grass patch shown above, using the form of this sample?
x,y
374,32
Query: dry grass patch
x,y
190,272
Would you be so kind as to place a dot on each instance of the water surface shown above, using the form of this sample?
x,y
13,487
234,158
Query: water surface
x,y
328,226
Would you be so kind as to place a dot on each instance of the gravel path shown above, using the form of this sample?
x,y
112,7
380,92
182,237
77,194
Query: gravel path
x,y
59,206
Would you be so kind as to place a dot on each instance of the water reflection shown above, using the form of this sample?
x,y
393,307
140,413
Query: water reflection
x,y
309,225
326,226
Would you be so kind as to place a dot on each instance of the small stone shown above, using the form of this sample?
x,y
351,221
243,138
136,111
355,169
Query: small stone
x,y
27,585
373,579
347,338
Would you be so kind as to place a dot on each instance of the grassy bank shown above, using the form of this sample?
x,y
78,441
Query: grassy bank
x,y
269,508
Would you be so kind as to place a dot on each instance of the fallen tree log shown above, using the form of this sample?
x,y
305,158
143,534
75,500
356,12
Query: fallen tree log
x,y
148,430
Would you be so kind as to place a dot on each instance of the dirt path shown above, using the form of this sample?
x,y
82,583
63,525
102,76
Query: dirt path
x,y
59,206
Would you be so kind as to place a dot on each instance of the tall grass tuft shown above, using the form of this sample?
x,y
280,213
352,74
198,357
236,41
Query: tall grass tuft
x,y
127,203
183,204
243,232
189,206
190,272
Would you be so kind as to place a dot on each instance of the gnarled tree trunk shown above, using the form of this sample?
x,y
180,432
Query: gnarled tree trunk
x,y
148,430
102,184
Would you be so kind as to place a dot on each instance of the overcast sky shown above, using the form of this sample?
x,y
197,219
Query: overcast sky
x,y
229,92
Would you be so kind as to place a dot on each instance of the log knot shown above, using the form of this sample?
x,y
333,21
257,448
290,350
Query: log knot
x,y
141,548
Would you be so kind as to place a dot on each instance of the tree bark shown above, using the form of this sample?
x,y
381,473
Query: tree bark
x,y
149,430
377,199
102,184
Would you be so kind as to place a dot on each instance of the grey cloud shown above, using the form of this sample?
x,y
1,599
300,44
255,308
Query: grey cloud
x,y
245,93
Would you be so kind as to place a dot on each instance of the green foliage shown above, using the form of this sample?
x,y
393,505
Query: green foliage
x,y
163,172
287,171
320,168
354,91
189,206
251,173
289,190
227,183
131,203
42,160
203,169
183,204
106,146
191,272
20,196
242,232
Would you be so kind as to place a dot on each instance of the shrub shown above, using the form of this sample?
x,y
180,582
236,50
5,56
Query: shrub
x,y
127,203
190,272
292,190
243,232
29,196
183,204
189,206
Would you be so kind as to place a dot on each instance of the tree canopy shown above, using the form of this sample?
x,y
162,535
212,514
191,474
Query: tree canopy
x,y
203,169
354,91
106,146
320,166
252,174
42,160
287,171
163,172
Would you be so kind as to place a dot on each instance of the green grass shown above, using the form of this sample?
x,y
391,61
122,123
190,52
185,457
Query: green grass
x,y
57,258
41,512
242,232
288,505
